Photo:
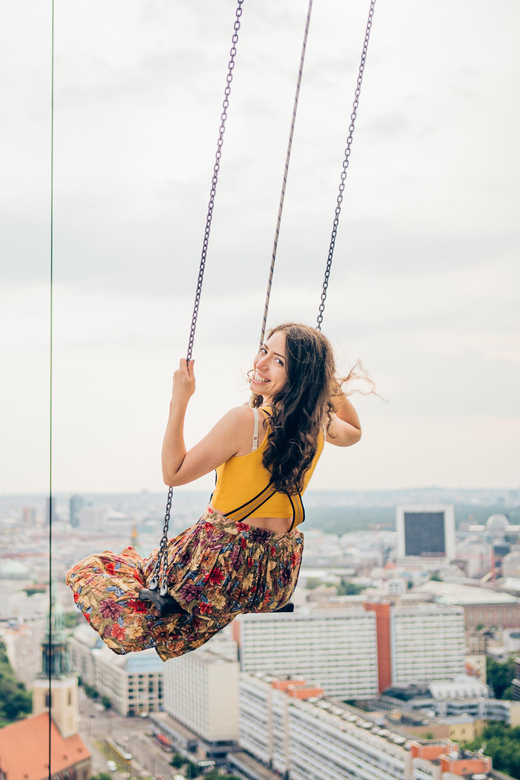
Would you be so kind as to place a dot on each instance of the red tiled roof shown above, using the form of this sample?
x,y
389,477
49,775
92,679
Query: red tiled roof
x,y
24,749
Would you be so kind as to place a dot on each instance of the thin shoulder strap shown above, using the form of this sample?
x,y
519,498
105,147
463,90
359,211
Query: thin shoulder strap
x,y
255,430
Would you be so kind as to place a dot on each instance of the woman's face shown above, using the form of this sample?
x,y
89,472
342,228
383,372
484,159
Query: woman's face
x,y
270,375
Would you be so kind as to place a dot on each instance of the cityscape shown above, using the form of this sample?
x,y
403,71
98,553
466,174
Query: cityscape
x,y
401,658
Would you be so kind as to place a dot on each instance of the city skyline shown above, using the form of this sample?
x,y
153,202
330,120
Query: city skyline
x,y
424,281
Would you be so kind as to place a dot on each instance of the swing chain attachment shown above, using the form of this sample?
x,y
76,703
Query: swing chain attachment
x,y
214,180
159,576
346,161
162,556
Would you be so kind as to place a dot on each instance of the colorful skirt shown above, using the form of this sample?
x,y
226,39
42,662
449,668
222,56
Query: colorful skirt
x,y
217,569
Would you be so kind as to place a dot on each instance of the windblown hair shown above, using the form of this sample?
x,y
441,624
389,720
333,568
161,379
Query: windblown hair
x,y
302,408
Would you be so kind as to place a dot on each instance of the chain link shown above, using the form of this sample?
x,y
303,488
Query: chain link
x,y
214,180
286,173
159,577
346,161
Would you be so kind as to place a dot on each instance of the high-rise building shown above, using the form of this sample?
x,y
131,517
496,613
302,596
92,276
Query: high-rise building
x,y
427,643
335,648
419,643
426,531
76,504
201,693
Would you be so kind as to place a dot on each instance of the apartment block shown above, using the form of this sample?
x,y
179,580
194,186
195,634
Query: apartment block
x,y
289,726
427,643
201,692
336,648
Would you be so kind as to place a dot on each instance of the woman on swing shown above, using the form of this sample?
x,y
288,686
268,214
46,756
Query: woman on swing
x,y
245,552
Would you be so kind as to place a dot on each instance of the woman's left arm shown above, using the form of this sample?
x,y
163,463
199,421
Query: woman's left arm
x,y
344,428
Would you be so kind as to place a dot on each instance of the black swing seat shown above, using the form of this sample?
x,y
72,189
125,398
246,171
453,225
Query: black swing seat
x,y
165,604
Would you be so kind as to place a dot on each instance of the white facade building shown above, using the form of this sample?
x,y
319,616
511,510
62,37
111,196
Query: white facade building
x,y
201,692
313,739
427,643
335,648
81,644
132,682
289,726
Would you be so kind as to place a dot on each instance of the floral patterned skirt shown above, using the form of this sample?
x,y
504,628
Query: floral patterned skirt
x,y
217,569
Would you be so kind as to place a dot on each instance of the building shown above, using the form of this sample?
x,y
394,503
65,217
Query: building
x,y
76,504
201,693
427,643
82,660
418,643
288,726
24,752
483,607
426,531
29,516
56,665
133,682
24,745
336,648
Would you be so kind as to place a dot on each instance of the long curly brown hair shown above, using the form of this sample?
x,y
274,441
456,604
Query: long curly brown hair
x,y
302,408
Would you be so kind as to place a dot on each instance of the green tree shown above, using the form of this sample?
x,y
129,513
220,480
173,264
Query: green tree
x,y
105,701
15,701
312,582
348,589
502,745
90,691
102,776
500,675
192,770
436,577
177,761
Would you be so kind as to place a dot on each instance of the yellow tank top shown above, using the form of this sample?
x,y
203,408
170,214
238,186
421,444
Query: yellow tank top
x,y
243,477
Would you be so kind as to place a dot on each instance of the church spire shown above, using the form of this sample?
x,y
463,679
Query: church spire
x,y
55,655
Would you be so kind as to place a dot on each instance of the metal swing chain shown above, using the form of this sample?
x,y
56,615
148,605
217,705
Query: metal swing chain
x,y
160,570
286,172
346,161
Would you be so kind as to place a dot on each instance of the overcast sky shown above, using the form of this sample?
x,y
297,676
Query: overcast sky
x,y
426,274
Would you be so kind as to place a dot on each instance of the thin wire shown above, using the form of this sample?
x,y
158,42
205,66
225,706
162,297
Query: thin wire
x,y
49,646
286,173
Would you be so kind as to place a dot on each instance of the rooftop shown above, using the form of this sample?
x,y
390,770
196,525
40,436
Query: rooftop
x,y
464,595
24,749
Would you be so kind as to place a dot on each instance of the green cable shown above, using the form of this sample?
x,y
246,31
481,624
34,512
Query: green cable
x,y
49,646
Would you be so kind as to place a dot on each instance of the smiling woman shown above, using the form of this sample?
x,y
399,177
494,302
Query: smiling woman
x,y
264,455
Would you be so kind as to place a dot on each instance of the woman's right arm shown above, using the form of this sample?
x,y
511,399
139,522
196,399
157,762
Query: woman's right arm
x,y
179,465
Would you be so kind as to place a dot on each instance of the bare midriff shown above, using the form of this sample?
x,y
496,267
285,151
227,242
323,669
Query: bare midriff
x,y
279,525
